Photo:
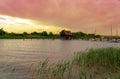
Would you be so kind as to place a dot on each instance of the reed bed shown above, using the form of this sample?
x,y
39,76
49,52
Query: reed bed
x,y
102,63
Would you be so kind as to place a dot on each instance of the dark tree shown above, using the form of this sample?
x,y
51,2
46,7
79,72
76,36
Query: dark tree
x,y
2,32
34,33
44,33
79,34
25,33
91,35
51,34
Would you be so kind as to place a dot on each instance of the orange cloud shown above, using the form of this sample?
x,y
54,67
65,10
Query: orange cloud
x,y
77,15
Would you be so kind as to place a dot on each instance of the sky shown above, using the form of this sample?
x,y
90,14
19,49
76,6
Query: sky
x,y
55,15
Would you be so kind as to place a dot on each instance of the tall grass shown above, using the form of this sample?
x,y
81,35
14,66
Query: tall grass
x,y
102,63
102,58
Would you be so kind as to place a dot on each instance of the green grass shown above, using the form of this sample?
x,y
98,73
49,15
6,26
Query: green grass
x,y
102,63
28,37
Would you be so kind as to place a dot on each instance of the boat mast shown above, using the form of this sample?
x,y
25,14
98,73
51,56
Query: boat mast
x,y
116,33
95,32
111,31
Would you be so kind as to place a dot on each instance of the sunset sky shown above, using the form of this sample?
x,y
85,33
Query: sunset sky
x,y
55,15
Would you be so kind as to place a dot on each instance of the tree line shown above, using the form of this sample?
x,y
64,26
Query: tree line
x,y
45,34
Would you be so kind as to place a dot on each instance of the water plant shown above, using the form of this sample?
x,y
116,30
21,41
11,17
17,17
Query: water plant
x,y
102,63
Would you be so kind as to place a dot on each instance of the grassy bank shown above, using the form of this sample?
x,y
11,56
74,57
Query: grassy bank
x,y
103,63
28,37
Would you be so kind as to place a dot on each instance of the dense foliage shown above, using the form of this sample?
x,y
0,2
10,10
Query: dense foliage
x,y
45,34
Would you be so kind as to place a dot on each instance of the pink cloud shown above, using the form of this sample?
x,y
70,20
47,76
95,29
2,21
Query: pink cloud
x,y
80,15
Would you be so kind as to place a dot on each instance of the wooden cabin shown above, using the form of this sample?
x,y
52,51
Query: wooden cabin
x,y
66,35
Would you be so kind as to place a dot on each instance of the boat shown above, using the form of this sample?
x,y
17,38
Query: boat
x,y
115,40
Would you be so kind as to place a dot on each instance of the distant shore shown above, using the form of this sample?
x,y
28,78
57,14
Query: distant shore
x,y
64,34
28,37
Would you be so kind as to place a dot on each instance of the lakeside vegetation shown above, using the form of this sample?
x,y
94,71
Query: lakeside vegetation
x,y
43,35
102,63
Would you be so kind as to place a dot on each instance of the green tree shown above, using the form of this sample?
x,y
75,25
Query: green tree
x,y
91,35
12,34
25,33
2,32
79,34
44,33
51,34
34,33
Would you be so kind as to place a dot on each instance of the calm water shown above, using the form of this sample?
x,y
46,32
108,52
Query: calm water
x,y
18,57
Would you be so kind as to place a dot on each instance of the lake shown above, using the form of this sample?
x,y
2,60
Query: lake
x,y
19,57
